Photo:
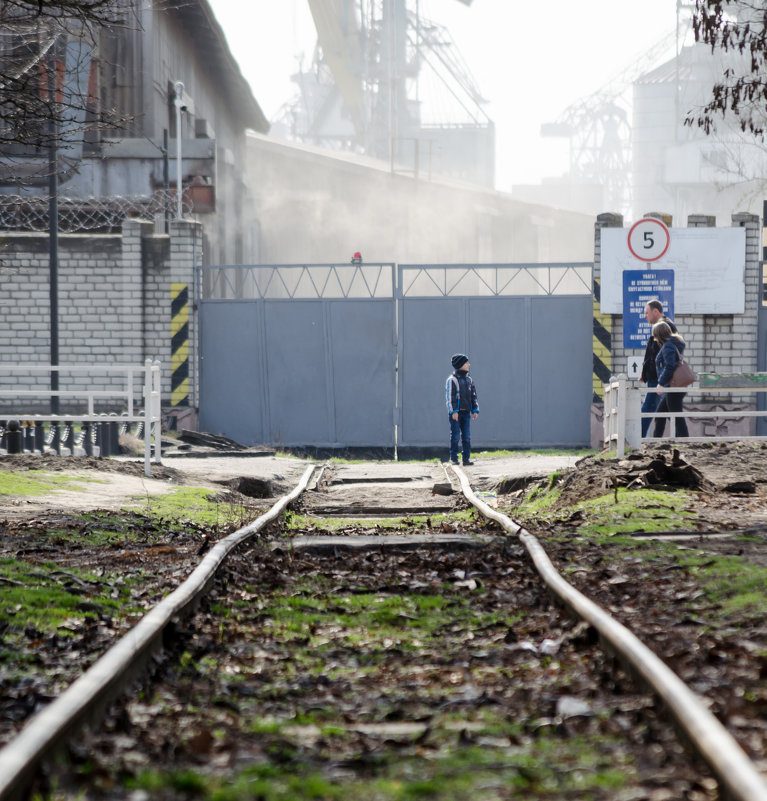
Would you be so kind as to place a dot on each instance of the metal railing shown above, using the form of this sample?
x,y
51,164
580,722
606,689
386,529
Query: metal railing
x,y
134,408
622,422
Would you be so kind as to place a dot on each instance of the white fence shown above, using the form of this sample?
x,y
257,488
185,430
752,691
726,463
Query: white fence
x,y
128,379
622,424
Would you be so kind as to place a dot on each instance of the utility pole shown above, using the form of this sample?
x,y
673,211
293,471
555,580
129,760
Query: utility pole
x,y
165,179
179,103
53,226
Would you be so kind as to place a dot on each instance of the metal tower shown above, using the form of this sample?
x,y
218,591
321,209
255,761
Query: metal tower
x,y
388,83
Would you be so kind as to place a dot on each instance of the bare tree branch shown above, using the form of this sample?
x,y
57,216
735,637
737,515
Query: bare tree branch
x,y
736,27
55,43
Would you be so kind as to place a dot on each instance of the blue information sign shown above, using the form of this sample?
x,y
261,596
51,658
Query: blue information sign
x,y
639,286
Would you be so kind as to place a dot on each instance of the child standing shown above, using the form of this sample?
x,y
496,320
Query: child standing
x,y
461,398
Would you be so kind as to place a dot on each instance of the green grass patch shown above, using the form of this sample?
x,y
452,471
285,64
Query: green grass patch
x,y
503,454
370,618
620,511
39,482
736,588
45,597
197,505
298,522
546,767
641,510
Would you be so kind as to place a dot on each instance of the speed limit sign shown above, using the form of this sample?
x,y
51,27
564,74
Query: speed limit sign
x,y
649,239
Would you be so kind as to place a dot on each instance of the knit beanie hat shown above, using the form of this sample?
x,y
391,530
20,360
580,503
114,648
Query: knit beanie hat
x,y
459,360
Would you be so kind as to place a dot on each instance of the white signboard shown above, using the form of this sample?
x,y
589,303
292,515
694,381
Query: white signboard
x,y
634,367
709,265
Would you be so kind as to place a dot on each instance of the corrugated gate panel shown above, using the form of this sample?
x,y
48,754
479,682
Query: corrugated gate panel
x,y
431,329
523,351
362,337
231,371
499,352
279,367
297,373
560,387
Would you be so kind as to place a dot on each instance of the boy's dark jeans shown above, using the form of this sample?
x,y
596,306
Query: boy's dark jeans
x,y
460,429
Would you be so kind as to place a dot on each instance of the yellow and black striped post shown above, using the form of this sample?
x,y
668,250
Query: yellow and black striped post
x,y
601,348
764,252
179,348
764,230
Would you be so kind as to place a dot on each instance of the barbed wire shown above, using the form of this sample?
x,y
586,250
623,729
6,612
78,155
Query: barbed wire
x,y
102,214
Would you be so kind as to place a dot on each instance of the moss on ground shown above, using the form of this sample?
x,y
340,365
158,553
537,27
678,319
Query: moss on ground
x,y
735,588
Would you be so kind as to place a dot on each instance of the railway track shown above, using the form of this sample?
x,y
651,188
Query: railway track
x,y
339,656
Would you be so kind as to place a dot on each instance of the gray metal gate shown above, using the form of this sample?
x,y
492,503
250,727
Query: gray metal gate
x,y
527,331
298,355
761,362
358,355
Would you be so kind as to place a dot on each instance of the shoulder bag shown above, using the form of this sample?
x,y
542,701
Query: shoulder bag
x,y
683,375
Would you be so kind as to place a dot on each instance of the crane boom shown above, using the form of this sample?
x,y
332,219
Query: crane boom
x,y
340,39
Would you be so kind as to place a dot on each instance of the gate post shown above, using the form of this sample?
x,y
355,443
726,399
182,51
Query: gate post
x,y
633,417
620,443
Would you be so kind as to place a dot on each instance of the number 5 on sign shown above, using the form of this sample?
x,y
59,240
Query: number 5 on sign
x,y
649,239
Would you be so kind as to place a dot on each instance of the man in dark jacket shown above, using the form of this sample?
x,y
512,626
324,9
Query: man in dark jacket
x,y
461,399
653,313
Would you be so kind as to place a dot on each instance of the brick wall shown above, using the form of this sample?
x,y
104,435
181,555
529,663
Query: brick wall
x,y
114,299
716,343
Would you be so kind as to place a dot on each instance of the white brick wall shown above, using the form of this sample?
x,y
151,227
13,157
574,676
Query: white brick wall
x,y
715,343
114,298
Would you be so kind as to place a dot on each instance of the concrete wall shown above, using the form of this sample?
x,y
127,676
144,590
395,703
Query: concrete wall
x,y
315,205
114,299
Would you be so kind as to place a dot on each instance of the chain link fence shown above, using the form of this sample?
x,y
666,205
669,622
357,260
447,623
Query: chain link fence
x,y
98,215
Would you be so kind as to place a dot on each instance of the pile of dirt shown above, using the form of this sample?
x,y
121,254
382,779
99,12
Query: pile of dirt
x,y
55,463
710,468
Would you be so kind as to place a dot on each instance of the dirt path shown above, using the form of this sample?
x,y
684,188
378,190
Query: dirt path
x,y
121,483
731,477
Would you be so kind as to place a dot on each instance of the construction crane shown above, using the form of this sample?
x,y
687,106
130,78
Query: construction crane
x,y
598,127
364,90
341,38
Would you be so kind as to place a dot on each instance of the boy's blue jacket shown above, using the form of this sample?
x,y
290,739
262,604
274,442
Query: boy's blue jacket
x,y
460,393
667,360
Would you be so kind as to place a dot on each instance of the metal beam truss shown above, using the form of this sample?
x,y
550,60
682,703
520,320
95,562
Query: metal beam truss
x,y
335,281
294,281
451,280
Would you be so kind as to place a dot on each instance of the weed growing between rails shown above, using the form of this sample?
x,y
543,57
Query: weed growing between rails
x,y
390,676
294,522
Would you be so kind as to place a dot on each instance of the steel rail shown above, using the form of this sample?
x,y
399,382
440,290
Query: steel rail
x,y
728,762
110,674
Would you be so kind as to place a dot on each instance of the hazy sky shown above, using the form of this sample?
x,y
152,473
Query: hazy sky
x,y
530,59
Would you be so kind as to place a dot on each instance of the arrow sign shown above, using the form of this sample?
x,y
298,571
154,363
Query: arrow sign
x,y
634,367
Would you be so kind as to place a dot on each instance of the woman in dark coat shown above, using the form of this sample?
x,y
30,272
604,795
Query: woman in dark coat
x,y
671,349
